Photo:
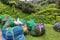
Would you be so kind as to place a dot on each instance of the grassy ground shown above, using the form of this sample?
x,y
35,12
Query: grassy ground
x,y
50,34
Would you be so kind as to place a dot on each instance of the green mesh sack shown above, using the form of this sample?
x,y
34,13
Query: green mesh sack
x,y
11,22
3,16
35,31
5,19
5,25
9,28
38,30
30,24
21,19
0,19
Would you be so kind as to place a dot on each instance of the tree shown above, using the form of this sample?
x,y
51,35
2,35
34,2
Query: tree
x,y
58,3
5,1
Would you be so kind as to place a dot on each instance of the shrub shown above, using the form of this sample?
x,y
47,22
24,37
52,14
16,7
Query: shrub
x,y
26,7
5,1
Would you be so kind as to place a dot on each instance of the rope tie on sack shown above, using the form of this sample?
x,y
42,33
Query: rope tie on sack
x,y
11,33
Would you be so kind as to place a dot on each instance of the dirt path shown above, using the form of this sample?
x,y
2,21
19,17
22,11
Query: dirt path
x,y
0,35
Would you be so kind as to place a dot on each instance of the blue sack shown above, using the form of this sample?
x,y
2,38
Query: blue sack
x,y
14,34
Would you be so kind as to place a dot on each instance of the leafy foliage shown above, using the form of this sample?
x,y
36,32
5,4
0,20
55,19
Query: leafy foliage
x,y
58,4
12,11
47,16
47,13
25,7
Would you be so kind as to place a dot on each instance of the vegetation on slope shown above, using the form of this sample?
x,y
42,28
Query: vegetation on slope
x,y
47,13
24,7
12,11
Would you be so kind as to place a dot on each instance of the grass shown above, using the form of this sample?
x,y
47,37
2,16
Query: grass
x,y
50,34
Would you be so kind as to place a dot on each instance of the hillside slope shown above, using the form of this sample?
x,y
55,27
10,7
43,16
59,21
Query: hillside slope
x,y
47,13
12,11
